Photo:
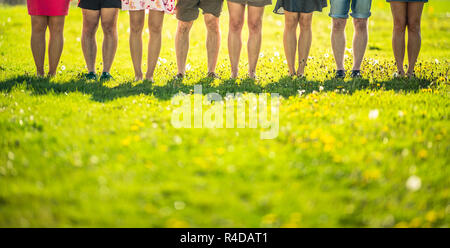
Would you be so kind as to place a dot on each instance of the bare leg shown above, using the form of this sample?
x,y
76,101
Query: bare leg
x,y
304,43
255,17
212,41
338,41
237,14
155,24
182,45
110,36
88,42
414,35
38,29
360,40
56,43
399,12
291,21
137,20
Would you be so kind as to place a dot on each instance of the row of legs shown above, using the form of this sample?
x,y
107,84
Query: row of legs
x,y
406,15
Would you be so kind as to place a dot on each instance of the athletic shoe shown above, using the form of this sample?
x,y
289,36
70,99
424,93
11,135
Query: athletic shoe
x,y
106,76
90,76
340,74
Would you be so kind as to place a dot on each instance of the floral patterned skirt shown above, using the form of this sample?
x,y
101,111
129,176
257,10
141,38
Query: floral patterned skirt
x,y
168,6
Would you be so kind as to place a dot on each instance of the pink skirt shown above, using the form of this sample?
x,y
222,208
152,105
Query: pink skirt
x,y
48,7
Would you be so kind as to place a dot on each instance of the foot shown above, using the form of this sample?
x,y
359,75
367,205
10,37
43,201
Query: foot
x,y
411,74
179,76
252,75
90,76
138,77
301,76
399,74
340,74
149,80
213,75
356,74
106,76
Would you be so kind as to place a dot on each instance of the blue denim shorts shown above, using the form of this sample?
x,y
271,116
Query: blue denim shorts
x,y
341,8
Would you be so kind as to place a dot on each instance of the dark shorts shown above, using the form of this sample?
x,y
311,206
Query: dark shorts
x,y
99,4
188,10
253,3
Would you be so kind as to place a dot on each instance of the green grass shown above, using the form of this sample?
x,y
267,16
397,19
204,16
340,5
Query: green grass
x,y
84,154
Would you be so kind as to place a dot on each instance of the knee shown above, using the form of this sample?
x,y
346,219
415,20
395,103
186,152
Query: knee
x,y
57,29
39,27
339,25
155,28
236,25
305,23
291,23
399,25
90,28
414,26
184,28
109,28
255,26
360,25
136,28
212,25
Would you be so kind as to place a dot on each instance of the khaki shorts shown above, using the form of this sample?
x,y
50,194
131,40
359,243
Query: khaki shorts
x,y
254,3
188,10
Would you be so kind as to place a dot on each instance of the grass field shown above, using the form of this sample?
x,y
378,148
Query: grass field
x,y
364,153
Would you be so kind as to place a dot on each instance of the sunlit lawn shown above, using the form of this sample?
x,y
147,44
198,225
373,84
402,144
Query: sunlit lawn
x,y
364,153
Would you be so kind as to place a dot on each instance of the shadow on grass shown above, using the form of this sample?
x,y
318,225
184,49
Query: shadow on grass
x,y
286,87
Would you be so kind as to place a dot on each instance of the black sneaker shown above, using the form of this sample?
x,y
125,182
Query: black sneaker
x,y
340,74
106,76
213,75
90,76
356,74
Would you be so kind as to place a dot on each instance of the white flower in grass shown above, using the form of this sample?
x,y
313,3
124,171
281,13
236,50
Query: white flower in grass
x,y
413,183
400,113
63,67
277,54
179,205
301,92
320,88
373,114
326,55
261,55
188,67
436,61
178,140
162,60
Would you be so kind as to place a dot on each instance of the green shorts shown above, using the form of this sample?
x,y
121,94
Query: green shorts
x,y
188,10
254,3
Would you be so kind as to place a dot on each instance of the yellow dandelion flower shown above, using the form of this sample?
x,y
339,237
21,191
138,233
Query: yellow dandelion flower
x,y
401,225
269,219
175,223
126,141
422,154
372,174
431,216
